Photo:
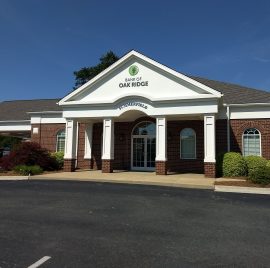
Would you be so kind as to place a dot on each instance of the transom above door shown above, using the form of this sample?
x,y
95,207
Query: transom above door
x,y
143,151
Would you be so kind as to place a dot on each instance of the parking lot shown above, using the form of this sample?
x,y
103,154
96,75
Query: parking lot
x,y
86,224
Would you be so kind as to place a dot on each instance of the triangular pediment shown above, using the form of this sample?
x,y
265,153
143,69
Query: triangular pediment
x,y
136,75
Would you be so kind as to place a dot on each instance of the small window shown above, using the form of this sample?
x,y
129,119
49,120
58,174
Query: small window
x,y
188,143
251,142
60,141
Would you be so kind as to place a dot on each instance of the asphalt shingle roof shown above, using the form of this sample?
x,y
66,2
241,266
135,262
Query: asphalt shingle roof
x,y
236,94
17,110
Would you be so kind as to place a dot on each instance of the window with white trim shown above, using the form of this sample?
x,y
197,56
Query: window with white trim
x,y
188,143
251,142
60,141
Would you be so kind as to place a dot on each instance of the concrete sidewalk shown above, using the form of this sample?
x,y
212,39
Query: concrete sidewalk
x,y
148,178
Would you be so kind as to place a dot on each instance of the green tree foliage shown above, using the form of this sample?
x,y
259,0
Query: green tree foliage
x,y
10,142
86,73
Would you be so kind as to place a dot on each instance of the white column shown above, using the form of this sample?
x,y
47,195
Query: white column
x,y
88,141
161,139
108,139
209,139
71,139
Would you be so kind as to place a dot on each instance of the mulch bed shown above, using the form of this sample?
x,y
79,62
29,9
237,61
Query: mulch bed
x,y
9,173
12,173
241,184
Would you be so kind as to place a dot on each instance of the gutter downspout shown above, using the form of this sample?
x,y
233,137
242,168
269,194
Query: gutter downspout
x,y
228,130
77,144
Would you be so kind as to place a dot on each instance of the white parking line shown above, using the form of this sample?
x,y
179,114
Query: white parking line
x,y
39,262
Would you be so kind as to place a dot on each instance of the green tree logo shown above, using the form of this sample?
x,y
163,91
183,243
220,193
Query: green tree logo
x,y
133,70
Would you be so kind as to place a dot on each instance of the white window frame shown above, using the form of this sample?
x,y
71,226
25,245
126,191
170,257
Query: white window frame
x,y
243,151
57,139
195,135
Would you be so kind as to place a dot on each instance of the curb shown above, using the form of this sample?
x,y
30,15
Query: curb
x,y
13,178
242,190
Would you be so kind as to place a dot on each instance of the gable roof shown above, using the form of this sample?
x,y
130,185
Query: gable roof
x,y
130,55
236,94
18,109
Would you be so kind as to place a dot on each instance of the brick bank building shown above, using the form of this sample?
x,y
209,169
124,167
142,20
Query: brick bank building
x,y
141,115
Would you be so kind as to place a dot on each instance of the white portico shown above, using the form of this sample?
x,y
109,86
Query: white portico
x,y
135,100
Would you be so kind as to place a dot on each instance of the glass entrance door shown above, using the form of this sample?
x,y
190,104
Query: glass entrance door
x,y
143,146
144,153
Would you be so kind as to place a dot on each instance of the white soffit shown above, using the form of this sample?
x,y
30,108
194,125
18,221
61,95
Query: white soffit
x,y
152,81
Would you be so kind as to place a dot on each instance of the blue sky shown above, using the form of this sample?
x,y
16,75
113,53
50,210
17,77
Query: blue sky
x,y
44,41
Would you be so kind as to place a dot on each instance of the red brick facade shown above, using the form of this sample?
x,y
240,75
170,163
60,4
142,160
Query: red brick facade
x,y
210,170
161,167
238,127
69,165
107,166
81,162
46,137
175,163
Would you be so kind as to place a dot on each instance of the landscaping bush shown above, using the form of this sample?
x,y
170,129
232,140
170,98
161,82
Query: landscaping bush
x,y
26,170
268,163
260,175
233,165
59,158
254,162
29,154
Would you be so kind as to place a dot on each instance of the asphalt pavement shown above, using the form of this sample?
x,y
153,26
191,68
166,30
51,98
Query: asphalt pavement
x,y
86,224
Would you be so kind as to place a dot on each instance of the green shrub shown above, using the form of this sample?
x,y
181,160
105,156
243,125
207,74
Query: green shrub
x,y
26,170
254,162
59,158
268,163
29,154
233,165
260,175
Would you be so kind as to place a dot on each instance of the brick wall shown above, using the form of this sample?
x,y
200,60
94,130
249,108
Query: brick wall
x,y
48,132
161,167
81,162
122,148
210,170
221,136
175,163
107,166
96,146
238,127
46,135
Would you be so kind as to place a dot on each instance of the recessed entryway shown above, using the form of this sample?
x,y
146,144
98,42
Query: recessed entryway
x,y
143,147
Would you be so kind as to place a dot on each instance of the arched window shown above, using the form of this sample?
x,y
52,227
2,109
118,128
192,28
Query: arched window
x,y
188,143
145,128
60,141
251,142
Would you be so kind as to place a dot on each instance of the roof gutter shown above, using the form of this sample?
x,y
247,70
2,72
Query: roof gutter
x,y
14,121
228,129
46,112
246,104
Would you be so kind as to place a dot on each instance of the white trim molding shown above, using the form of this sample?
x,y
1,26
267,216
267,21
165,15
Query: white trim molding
x,y
88,141
71,139
108,139
161,139
209,138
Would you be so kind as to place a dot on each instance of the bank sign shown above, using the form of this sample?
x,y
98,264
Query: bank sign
x,y
133,80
